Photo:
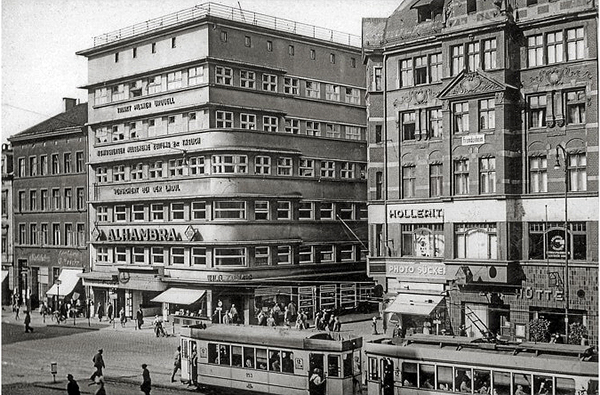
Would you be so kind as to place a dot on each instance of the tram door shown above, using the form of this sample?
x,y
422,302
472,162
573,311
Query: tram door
x,y
186,358
316,361
387,376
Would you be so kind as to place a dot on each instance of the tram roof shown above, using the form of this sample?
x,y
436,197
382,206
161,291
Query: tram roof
x,y
284,337
559,358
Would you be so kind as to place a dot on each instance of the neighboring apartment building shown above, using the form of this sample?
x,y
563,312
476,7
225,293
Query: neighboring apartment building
x,y
470,105
50,207
227,161
7,224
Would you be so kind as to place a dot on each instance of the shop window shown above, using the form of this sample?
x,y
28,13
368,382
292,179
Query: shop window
x,y
422,240
551,235
476,241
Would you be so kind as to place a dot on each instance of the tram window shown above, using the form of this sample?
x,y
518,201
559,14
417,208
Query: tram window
x,y
347,364
409,374
249,357
224,355
444,377
592,387
274,361
333,365
236,356
261,358
542,385
501,383
463,380
287,362
213,355
373,369
565,386
426,376
521,384
481,381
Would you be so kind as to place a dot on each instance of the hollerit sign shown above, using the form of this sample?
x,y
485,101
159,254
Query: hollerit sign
x,y
415,213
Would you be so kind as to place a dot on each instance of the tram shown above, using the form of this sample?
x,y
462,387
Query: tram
x,y
271,360
429,364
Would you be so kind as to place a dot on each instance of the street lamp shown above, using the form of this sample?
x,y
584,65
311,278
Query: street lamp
x,y
560,148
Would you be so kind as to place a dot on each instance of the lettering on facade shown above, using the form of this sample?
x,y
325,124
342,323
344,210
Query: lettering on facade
x,y
133,234
228,277
146,105
416,213
473,139
541,294
155,188
417,269
173,144
38,258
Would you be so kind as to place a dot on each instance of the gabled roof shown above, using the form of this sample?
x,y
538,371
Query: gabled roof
x,y
74,117
470,83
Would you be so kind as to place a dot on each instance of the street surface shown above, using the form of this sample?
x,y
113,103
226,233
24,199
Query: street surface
x,y
26,357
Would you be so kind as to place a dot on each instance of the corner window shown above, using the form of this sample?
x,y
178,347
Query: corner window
x,y
377,79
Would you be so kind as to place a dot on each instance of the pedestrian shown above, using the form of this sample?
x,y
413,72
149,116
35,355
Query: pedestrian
x,y
331,323
194,366
100,311
98,361
139,316
16,309
316,383
122,317
27,322
374,326
146,382
384,323
109,312
337,324
176,363
233,313
287,317
100,382
72,386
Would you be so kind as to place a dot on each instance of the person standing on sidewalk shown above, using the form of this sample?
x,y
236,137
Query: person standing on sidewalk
x,y
146,382
27,322
109,312
98,364
72,386
122,317
374,326
139,316
16,310
176,363
100,311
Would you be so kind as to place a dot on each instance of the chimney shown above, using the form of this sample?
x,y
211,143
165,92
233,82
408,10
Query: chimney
x,y
68,103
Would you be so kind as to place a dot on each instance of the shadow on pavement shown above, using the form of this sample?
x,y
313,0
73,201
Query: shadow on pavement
x,y
14,333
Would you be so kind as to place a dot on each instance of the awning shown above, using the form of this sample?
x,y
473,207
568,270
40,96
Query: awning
x,y
4,274
179,296
414,304
68,280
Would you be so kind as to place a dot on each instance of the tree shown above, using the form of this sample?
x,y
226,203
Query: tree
x,y
539,330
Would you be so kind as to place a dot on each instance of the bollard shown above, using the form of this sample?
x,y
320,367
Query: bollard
x,y
53,370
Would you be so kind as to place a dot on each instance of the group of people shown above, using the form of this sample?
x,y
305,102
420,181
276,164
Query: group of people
x,y
326,320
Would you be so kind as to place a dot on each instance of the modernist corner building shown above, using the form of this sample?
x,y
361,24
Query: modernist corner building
x,y
227,158
483,165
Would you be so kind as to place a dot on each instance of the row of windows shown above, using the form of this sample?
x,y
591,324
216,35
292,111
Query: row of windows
x,y
230,256
545,109
259,210
576,169
231,164
31,167
56,234
556,47
153,49
61,199
200,120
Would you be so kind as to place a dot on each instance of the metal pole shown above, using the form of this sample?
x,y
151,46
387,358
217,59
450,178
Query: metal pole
x,y
566,224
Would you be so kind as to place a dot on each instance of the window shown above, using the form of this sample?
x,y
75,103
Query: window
x,y
377,79
155,170
305,210
284,255
32,200
223,75
137,255
135,89
269,82
248,79
436,179
378,134
33,239
554,47
120,214
406,73
489,54
229,210
230,256
306,168
473,60
154,84
173,42
117,133
248,121
261,210
332,58
326,210
223,36
487,114
175,167
56,234
269,45
291,86
353,132
174,80
22,201
326,254
577,172
101,175
284,210
177,256
23,234
347,170
101,96
332,92
118,173
134,53
305,254
461,177
421,70
346,211
313,54
44,234
537,111
102,254
55,165
81,235
55,199
197,166
117,57
224,119
332,131
102,214
137,212
68,199
408,181
535,50
352,96
137,171
32,165
487,175
157,255
576,106
177,211
261,256
538,174
575,44
408,125
292,126
198,210
291,50
378,185
313,89
157,212
270,124
422,240
458,61
229,164
284,166
79,162
460,116
327,169
43,165
353,63
262,165
247,41
196,75
43,200
435,129
476,241
471,6
198,256
313,128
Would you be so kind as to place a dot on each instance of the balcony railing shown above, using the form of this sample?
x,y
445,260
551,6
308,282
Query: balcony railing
x,y
233,14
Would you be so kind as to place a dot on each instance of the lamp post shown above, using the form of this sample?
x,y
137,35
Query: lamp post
x,y
560,148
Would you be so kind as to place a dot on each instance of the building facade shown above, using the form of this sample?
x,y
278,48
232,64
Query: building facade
x,y
7,224
50,208
227,165
470,104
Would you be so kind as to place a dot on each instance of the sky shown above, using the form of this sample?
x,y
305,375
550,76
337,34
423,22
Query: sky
x,y
40,38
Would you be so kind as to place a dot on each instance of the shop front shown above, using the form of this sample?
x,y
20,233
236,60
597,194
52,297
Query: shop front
x,y
183,306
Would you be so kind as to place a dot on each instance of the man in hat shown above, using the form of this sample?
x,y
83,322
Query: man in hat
x,y
98,364
146,382
72,386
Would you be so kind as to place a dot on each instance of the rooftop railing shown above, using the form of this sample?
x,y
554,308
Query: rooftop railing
x,y
233,14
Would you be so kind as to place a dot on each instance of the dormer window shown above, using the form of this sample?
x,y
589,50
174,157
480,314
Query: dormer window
x,y
428,10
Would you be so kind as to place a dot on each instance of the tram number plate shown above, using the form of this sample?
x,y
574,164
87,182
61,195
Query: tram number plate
x,y
249,375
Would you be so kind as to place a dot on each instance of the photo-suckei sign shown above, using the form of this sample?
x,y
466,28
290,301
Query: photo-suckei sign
x,y
416,270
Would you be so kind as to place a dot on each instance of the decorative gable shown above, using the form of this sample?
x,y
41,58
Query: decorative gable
x,y
473,83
